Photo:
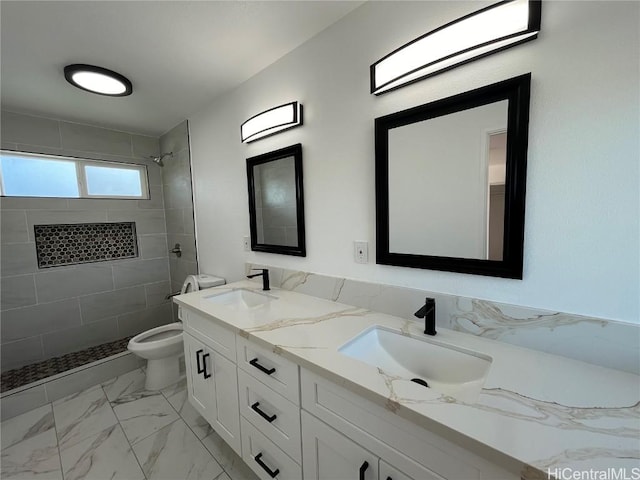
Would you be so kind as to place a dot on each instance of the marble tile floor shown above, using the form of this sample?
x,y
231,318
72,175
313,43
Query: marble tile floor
x,y
117,430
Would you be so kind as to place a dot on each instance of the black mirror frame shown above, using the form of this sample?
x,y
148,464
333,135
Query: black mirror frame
x,y
294,151
517,91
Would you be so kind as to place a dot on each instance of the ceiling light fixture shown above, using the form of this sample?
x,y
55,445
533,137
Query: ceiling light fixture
x,y
473,36
98,80
271,121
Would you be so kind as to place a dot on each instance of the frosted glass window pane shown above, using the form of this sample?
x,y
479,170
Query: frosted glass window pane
x,y
32,177
111,181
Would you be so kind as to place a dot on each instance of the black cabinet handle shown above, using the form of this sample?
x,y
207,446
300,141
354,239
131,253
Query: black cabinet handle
x,y
204,365
363,468
268,418
268,371
198,353
271,473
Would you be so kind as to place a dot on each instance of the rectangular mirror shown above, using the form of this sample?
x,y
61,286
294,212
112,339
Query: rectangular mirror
x,y
276,203
450,182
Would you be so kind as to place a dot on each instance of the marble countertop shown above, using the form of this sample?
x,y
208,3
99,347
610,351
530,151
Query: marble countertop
x,y
535,412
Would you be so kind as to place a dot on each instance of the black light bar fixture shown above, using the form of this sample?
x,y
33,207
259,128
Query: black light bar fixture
x,y
98,80
269,122
489,30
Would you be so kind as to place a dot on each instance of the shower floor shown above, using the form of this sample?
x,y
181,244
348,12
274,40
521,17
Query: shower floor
x,y
19,377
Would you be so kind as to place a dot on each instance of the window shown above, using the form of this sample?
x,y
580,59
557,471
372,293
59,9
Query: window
x,y
34,175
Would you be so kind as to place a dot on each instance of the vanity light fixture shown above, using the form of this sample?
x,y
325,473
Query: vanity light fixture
x,y
98,80
473,36
271,121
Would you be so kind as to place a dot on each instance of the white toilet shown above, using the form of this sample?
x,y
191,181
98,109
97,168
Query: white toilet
x,y
162,346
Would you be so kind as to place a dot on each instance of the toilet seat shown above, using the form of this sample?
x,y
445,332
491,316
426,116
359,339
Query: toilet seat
x,y
165,335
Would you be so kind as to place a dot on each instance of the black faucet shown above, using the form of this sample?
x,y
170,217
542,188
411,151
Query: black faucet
x,y
265,277
428,312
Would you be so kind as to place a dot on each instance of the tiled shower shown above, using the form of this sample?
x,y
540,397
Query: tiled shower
x,y
75,310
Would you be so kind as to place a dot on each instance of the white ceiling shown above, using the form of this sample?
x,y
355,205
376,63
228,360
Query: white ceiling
x,y
179,55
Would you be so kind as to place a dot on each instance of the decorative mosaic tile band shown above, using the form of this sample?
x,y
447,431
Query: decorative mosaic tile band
x,y
37,371
69,244
593,340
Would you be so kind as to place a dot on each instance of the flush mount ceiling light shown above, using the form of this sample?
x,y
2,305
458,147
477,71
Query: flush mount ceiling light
x,y
271,121
473,36
98,80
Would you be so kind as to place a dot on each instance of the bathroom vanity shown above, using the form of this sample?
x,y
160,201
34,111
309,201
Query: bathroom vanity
x,y
303,387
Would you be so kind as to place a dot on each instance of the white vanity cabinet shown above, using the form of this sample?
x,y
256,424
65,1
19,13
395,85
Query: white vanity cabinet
x,y
212,379
342,430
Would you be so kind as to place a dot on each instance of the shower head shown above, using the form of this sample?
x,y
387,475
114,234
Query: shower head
x,y
160,157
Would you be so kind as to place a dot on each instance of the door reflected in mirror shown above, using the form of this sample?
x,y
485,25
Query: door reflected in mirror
x,y
450,182
276,207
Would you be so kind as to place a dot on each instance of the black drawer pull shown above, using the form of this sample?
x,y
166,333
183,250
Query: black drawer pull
x,y
268,418
268,371
198,353
271,473
363,468
204,365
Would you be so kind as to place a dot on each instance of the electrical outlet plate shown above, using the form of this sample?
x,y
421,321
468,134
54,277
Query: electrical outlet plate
x,y
246,242
361,252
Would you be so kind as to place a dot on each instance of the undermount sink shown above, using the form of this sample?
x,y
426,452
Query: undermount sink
x,y
446,369
241,299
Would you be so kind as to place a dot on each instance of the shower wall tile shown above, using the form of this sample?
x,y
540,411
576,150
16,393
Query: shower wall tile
x,y
13,225
18,258
156,293
178,202
92,287
108,304
140,272
21,352
19,128
144,146
178,194
155,201
42,217
18,291
76,338
147,221
102,204
87,138
33,203
187,245
55,284
153,246
175,220
137,322
175,139
39,319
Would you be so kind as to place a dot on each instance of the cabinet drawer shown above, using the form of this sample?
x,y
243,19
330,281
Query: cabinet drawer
x,y
271,413
221,339
276,372
264,457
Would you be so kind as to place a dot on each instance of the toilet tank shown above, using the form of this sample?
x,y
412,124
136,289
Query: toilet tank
x,y
207,281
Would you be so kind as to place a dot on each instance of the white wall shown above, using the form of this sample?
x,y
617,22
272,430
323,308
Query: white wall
x,y
582,227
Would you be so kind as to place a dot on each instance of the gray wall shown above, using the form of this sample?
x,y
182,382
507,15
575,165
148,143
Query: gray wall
x,y
53,311
178,201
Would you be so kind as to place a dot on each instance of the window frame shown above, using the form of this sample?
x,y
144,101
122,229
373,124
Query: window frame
x,y
81,178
